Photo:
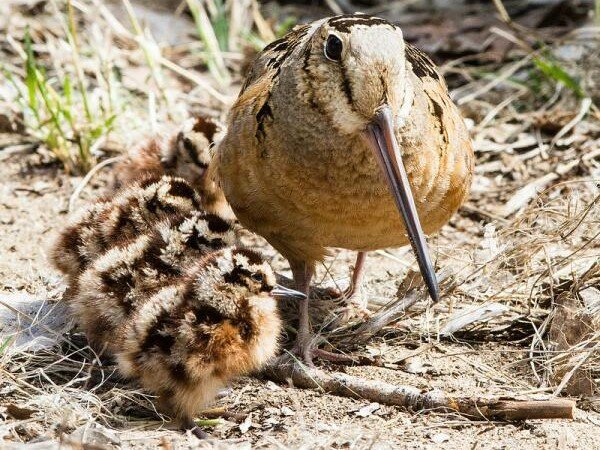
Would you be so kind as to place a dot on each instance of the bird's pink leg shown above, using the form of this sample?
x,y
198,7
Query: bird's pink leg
x,y
189,424
353,299
357,276
303,273
305,346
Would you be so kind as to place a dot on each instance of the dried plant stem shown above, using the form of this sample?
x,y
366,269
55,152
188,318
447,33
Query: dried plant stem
x,y
502,10
74,42
188,74
475,408
89,176
150,55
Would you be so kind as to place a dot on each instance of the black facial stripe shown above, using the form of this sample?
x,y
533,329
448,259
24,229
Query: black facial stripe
x,y
347,86
190,148
306,67
265,287
237,276
344,23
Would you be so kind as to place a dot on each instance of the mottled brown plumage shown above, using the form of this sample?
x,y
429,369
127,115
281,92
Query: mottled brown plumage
x,y
181,311
299,163
185,155
109,221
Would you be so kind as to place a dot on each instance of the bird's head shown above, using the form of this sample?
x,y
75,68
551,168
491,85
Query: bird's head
x,y
353,66
239,287
240,274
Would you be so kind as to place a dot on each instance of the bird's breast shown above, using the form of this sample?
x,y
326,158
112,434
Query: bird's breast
x,y
304,187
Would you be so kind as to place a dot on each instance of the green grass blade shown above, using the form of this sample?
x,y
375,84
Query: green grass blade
x,y
221,26
206,33
30,69
207,422
5,344
286,25
554,71
73,42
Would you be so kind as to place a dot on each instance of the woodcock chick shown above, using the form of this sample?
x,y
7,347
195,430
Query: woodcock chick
x,y
132,211
186,155
339,125
179,310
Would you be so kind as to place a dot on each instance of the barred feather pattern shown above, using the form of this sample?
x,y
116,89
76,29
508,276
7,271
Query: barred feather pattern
x,y
155,282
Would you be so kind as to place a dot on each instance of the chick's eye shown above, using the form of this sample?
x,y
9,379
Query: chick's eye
x,y
257,277
333,48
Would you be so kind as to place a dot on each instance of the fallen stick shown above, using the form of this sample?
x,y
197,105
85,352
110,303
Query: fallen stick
x,y
475,408
388,315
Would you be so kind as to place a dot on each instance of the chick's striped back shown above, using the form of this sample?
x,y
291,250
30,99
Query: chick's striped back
x,y
111,222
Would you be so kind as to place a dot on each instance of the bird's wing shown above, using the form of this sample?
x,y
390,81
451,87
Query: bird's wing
x,y
270,59
424,68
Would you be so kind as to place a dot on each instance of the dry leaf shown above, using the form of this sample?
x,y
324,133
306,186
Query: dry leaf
x,y
18,412
246,424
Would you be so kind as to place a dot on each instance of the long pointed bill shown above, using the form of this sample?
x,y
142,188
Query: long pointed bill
x,y
381,137
282,291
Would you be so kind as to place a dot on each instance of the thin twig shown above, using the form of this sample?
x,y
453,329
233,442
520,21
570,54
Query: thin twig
x,y
89,176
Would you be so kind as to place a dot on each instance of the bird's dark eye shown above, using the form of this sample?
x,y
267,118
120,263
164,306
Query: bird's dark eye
x,y
257,277
333,48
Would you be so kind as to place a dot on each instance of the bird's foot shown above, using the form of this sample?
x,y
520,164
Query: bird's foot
x,y
199,433
304,353
354,306
307,353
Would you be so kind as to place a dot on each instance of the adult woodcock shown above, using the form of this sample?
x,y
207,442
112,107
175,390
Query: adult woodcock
x,y
344,135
